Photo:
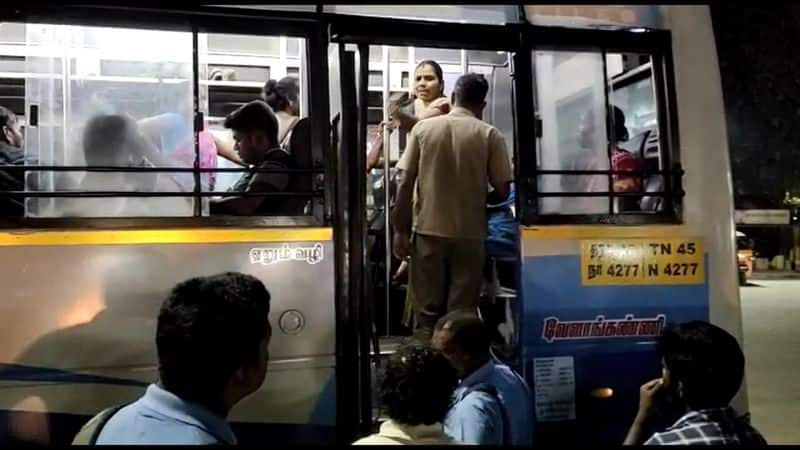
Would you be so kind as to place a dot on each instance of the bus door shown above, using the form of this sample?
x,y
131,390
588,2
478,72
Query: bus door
x,y
386,53
388,60
606,260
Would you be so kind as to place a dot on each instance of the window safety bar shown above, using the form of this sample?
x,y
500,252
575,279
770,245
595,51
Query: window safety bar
x,y
154,169
122,194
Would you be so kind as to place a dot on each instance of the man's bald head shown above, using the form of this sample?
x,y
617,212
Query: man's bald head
x,y
464,339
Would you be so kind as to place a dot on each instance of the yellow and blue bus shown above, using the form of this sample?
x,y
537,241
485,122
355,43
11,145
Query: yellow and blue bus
x,y
596,273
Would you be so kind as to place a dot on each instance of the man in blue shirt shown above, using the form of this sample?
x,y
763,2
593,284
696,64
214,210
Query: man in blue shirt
x,y
492,404
212,337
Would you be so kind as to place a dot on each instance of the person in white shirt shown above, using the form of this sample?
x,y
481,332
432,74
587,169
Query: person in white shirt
x,y
415,394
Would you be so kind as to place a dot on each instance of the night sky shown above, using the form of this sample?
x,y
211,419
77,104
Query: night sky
x,y
758,48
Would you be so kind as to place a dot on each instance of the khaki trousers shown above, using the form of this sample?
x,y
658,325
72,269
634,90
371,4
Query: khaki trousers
x,y
446,274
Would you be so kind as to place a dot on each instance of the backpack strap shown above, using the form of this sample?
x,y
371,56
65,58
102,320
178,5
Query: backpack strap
x,y
491,391
91,431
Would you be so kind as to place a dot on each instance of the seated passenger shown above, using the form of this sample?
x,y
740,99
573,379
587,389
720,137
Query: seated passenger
x,y
212,339
492,404
415,394
703,367
11,152
173,137
255,131
621,160
116,141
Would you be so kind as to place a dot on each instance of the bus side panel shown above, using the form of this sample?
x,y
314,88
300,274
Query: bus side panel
x,y
78,324
587,349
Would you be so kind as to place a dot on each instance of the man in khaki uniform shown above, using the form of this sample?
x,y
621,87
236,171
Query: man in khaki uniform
x,y
447,166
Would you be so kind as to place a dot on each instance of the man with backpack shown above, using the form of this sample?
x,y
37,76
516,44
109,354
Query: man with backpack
x,y
492,404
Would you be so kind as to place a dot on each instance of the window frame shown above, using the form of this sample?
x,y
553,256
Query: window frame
x,y
657,44
223,20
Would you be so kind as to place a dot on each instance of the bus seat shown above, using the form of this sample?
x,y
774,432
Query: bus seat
x,y
300,145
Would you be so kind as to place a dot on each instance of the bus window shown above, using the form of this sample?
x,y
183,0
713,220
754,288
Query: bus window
x,y
108,97
104,98
571,105
495,66
254,61
598,115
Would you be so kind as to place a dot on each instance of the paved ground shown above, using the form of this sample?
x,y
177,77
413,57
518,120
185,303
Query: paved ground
x,y
771,317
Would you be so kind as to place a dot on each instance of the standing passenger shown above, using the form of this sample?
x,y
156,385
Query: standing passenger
x,y
449,162
492,404
430,101
294,133
283,97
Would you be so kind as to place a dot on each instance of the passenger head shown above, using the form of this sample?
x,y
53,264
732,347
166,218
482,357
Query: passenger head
x,y
112,140
417,386
12,135
702,363
428,81
212,337
470,92
283,95
615,127
255,130
463,339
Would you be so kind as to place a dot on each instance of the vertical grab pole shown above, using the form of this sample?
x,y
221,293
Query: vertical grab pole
x,y
412,63
198,122
386,176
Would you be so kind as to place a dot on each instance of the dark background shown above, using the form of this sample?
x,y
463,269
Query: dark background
x,y
758,46
759,57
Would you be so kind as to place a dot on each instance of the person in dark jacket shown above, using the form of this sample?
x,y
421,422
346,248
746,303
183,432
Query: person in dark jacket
x,y
11,153
255,132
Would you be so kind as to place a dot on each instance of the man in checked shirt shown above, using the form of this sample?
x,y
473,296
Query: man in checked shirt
x,y
703,367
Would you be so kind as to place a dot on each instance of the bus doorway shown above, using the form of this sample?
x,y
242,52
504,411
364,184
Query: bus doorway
x,y
392,74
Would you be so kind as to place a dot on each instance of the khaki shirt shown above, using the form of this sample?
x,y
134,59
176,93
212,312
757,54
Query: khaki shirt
x,y
449,163
394,433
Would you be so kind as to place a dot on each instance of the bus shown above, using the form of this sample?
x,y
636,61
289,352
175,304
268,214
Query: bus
x,y
595,275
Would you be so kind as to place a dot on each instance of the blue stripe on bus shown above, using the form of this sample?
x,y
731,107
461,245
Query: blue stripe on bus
x,y
19,372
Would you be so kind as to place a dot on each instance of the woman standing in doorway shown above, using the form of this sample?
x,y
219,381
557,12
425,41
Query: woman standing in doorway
x,y
429,101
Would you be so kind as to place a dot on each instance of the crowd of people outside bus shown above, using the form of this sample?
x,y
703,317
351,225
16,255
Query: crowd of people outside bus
x,y
212,340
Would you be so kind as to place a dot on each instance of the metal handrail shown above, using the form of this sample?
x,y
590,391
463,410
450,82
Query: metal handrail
x,y
122,194
134,169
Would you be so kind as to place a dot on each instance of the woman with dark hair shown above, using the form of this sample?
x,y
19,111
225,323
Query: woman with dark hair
x,y
283,97
430,101
415,394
